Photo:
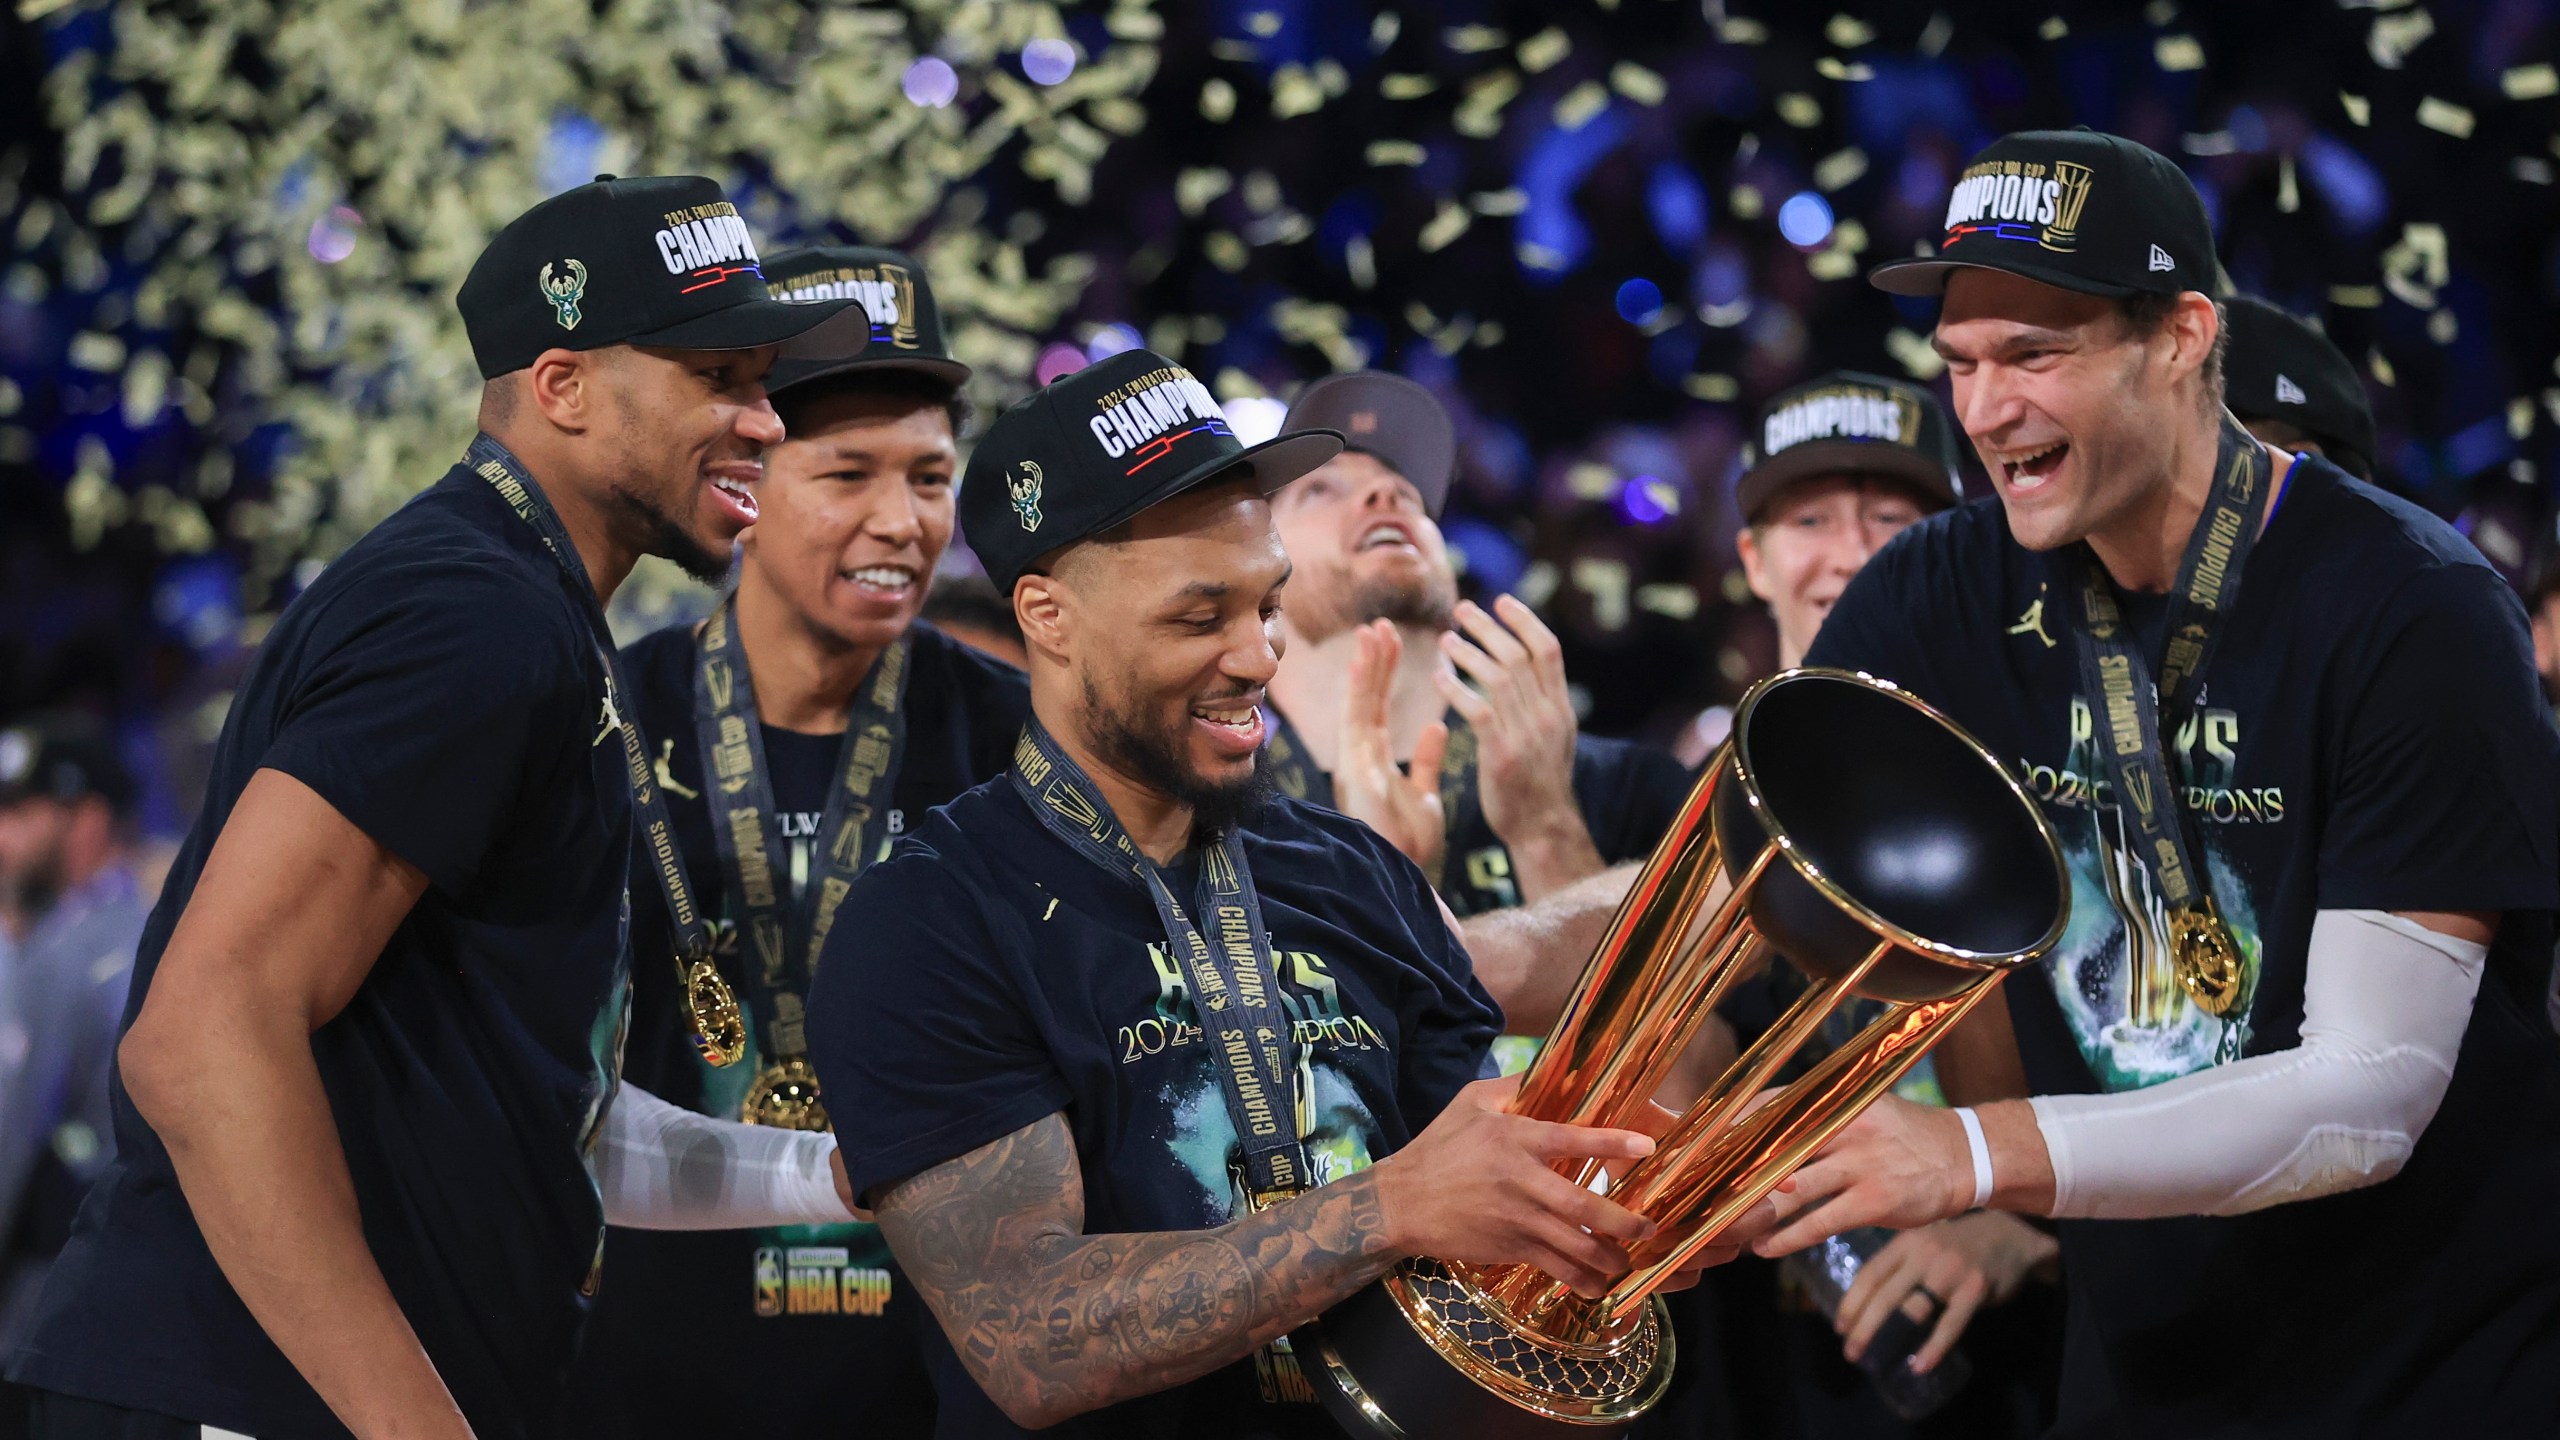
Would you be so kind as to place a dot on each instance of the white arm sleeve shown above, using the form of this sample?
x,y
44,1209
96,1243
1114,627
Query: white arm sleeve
x,y
2384,1006
661,1167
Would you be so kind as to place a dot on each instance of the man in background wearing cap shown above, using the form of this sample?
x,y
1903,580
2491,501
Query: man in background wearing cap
x,y
73,909
1498,798
1046,1020
837,722
2294,388
366,1124
2295,1098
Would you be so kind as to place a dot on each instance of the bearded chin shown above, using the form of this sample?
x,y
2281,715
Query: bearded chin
x,y
660,535
1160,759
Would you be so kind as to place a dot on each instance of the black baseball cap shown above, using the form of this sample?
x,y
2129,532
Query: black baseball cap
x,y
652,260
1388,416
1852,423
55,761
2077,209
896,300
1094,448
2280,367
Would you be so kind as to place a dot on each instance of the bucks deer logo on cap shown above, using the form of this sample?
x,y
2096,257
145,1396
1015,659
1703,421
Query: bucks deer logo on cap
x,y
1025,490
563,289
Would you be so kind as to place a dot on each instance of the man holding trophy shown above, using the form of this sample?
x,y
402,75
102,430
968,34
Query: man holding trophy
x,y
2294,1096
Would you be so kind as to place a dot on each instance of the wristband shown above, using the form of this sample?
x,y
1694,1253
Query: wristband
x,y
1981,1152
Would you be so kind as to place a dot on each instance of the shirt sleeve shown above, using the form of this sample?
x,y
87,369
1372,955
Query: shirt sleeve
x,y
924,1044
425,701
2445,765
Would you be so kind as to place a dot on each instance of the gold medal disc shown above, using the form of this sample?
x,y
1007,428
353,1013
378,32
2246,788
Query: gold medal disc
x,y
2206,960
785,1096
718,1030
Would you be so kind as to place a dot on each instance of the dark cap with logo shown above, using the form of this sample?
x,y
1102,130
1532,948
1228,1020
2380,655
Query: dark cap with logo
x,y
652,260
2077,209
1849,423
1388,416
2278,367
1096,447
63,762
889,287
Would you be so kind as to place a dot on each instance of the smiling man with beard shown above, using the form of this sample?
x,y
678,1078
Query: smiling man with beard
x,y
836,721
1140,1065
367,1129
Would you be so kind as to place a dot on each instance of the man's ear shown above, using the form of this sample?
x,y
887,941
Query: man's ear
x,y
2195,324
1040,606
564,386
1746,548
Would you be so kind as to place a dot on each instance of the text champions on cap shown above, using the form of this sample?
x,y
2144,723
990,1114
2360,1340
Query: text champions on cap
x,y
1998,193
1150,405
703,237
885,292
1843,413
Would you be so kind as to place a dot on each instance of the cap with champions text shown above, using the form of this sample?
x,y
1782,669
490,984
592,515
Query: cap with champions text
x,y
2279,367
1849,423
1096,447
2077,209
651,260
897,301
1388,416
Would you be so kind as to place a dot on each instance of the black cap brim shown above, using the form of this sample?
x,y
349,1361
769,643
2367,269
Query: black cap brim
x,y
790,374
1762,482
1272,464
1929,278
825,330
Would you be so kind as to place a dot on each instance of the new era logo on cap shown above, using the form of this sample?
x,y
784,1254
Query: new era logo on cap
x,y
2290,393
2160,261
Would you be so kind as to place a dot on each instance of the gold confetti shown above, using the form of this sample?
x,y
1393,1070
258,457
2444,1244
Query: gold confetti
x,y
2380,364
1474,39
1591,480
1849,236
1534,256
2530,82
1833,264
1581,105
2444,115
2416,265
1800,110
1444,228
2394,36
2356,297
11,397
2175,53
1677,602
1360,258
1235,384
1725,317
1711,386
1488,334
1193,189
2443,328
2520,417
1832,67
1406,87
1242,52
1637,83
1226,250
2053,29
1737,30
1264,23
1384,30
1935,35
2359,109
2288,191
1913,352
1746,202
2531,169
1499,202
90,350
1541,51
1479,112
1839,168
1217,101
1396,152
1262,192
1848,32
2160,12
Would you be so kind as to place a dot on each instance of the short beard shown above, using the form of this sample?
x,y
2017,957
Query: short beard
x,y
1426,604
1159,761
659,534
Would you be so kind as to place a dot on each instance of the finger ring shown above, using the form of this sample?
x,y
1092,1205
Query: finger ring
x,y
1934,1297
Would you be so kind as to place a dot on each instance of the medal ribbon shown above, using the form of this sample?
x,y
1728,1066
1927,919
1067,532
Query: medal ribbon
x,y
494,463
784,931
1234,984
2135,718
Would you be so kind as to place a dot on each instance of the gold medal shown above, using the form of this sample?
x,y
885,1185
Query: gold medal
x,y
2206,960
785,1096
718,1030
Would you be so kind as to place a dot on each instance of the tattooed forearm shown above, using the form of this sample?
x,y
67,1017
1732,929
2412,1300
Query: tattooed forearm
x,y
1053,1322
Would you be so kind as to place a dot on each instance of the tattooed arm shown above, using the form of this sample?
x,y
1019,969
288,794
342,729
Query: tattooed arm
x,y
1052,1322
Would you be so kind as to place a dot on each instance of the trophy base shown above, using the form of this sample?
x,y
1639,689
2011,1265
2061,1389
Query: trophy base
x,y
1425,1352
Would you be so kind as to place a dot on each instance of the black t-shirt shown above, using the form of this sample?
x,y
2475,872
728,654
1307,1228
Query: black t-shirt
x,y
440,686
1003,977
789,1330
2367,736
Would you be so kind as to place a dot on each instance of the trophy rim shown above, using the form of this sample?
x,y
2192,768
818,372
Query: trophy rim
x,y
1512,1389
1996,962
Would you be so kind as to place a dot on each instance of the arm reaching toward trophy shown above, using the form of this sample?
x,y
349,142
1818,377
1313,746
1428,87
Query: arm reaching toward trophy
x,y
1053,1322
1965,1264
2385,1004
1515,700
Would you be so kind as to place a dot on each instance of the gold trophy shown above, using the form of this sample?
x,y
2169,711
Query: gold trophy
x,y
1847,827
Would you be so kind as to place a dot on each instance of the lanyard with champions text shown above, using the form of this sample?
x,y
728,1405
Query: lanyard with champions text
x,y
718,1031
1234,986
783,929
1299,779
2137,718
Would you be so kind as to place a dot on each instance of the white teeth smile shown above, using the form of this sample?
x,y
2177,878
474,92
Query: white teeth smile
x,y
1384,535
1233,719
893,578
2033,469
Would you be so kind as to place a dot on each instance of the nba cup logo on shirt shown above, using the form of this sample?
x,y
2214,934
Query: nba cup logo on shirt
x,y
562,288
1143,420
1842,412
707,245
1024,490
887,294
2020,200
